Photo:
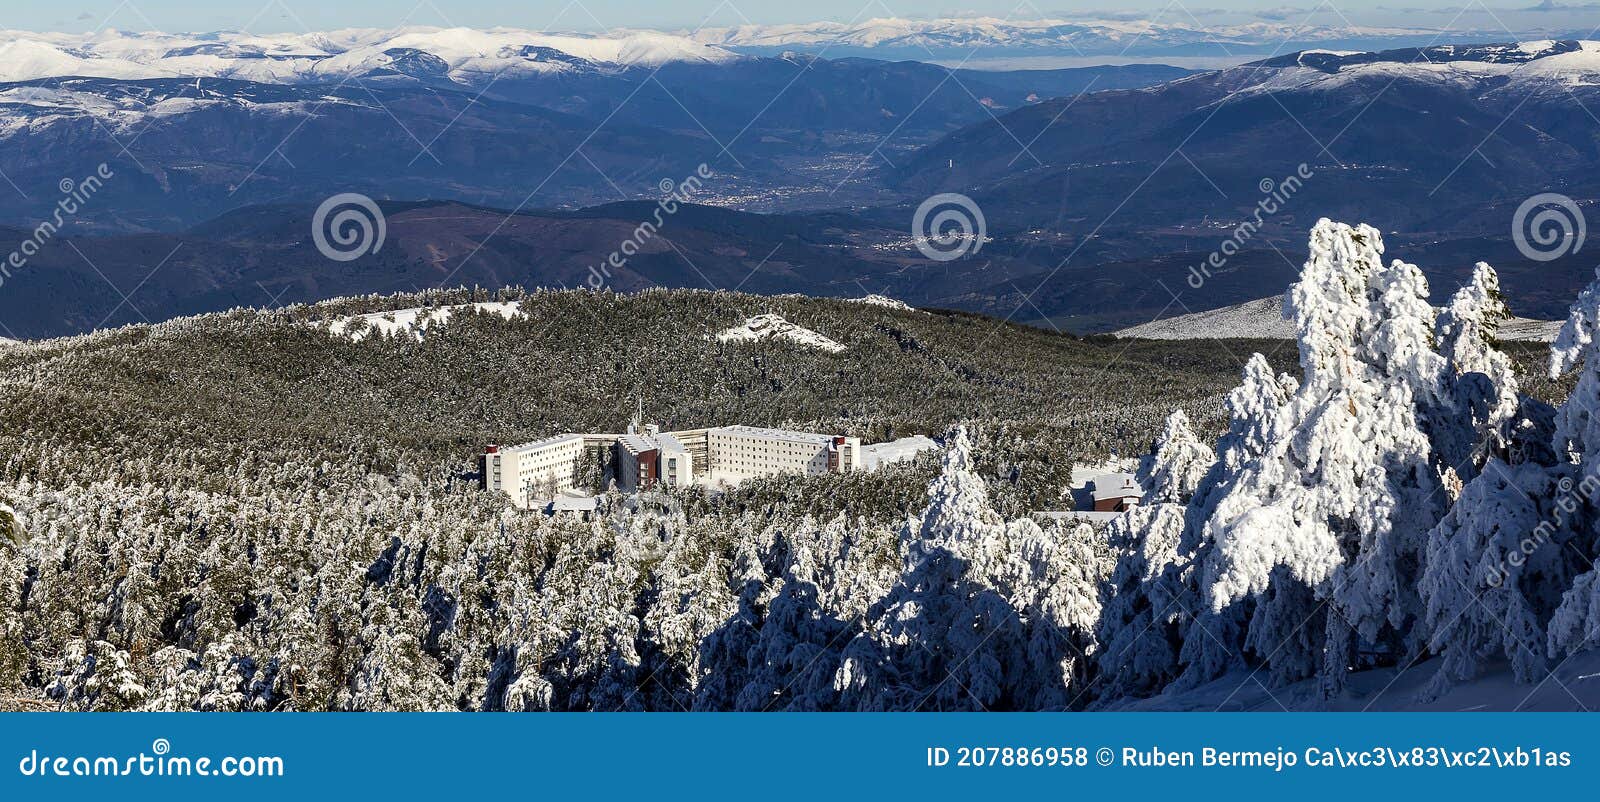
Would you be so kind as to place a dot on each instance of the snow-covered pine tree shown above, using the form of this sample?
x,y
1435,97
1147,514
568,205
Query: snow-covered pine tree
x,y
1157,629
1496,561
95,676
793,663
1576,623
1344,495
395,674
941,640
1173,470
1141,627
1480,418
1214,640
1495,565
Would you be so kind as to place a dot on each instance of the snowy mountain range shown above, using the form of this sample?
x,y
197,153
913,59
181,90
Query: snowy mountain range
x,y
194,123
462,55
1425,139
476,58
1057,36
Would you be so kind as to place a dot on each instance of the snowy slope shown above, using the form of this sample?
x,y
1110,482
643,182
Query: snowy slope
x,y
886,302
1263,319
1509,69
775,327
411,322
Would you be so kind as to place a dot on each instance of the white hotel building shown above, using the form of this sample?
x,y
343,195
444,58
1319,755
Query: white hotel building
x,y
533,472
722,455
738,453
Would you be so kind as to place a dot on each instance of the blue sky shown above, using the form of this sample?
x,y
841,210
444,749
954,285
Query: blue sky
x,y
295,15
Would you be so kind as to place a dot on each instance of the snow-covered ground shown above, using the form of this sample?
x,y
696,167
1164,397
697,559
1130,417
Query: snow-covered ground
x,y
770,327
885,301
877,455
1573,686
1263,319
413,322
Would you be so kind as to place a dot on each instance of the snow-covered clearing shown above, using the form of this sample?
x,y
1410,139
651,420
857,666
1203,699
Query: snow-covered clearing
x,y
886,302
770,327
413,322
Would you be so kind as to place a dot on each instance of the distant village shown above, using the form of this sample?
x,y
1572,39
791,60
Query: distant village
x,y
550,474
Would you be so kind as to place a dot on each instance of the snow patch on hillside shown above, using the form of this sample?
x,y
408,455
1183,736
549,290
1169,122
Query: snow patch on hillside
x,y
1263,319
775,327
414,322
885,301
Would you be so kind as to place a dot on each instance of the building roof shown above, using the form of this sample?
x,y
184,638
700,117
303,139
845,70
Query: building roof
x,y
777,434
636,443
670,443
545,443
1116,485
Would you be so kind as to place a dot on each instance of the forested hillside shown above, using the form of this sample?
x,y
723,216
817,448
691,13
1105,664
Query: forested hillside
x,y
245,511
249,511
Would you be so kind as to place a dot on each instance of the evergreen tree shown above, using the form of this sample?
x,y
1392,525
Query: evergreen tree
x,y
1174,469
1343,497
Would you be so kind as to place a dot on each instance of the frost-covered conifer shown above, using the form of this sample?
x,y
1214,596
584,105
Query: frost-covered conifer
x,y
1480,417
1170,474
95,676
1576,623
1146,601
1344,495
942,640
1495,565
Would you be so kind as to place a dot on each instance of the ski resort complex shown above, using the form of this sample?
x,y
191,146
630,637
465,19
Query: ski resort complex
x,y
644,456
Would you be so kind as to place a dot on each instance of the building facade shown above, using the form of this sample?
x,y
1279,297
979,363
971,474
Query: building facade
x,y
637,463
737,453
533,473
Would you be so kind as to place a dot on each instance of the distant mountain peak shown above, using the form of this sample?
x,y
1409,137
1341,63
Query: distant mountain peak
x,y
1333,61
